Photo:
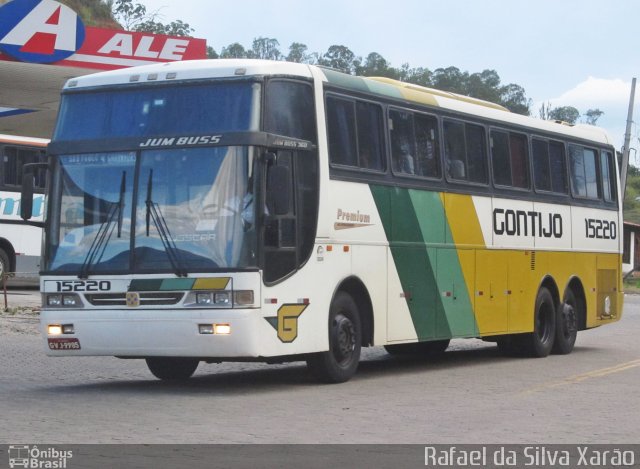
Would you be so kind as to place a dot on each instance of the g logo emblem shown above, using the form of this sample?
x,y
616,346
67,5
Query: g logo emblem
x,y
288,321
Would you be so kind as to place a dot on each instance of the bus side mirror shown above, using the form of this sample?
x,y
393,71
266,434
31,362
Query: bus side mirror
x,y
26,197
28,183
279,190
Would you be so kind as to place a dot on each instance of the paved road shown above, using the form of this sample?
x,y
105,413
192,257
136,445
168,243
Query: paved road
x,y
470,395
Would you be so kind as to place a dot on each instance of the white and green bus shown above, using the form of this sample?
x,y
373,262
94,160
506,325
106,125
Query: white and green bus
x,y
225,210
20,243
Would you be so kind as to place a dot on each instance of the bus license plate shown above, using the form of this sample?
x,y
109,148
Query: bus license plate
x,y
64,344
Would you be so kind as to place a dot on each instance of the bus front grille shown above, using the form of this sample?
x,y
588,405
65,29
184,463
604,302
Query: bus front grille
x,y
146,298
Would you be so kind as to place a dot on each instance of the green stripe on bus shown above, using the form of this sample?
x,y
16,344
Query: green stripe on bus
x,y
359,84
416,228
411,258
458,308
162,284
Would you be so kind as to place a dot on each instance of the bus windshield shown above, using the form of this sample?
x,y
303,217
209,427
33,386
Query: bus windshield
x,y
182,210
158,111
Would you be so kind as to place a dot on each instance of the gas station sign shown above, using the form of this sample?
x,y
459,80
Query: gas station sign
x,y
48,32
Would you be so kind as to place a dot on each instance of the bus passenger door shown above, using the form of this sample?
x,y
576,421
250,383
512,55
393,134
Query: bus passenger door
x,y
455,318
492,291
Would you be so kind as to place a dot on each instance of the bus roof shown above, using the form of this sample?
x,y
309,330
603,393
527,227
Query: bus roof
x,y
18,140
220,68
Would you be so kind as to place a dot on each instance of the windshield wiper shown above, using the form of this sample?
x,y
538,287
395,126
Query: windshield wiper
x,y
101,240
154,213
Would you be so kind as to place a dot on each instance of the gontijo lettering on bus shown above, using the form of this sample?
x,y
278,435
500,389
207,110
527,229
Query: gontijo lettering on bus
x,y
527,223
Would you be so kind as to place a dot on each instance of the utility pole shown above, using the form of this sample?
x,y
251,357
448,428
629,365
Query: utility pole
x,y
627,139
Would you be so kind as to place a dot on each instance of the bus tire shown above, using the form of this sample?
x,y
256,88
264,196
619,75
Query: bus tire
x,y
5,263
566,325
340,362
172,368
429,348
539,343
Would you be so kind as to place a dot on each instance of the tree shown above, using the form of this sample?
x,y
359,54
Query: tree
x,y
543,112
514,98
339,57
376,65
93,12
265,48
134,17
592,116
175,28
450,79
417,76
233,51
127,13
298,53
484,85
211,53
565,114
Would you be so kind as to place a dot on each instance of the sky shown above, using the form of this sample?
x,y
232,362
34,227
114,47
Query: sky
x,y
580,53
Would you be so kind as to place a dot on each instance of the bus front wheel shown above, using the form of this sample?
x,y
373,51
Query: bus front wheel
x,y
340,362
172,368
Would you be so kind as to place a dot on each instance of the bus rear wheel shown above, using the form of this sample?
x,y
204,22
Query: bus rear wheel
x,y
340,362
540,342
430,348
172,368
566,325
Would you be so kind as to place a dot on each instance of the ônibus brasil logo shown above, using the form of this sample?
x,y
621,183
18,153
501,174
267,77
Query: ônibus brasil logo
x,y
39,31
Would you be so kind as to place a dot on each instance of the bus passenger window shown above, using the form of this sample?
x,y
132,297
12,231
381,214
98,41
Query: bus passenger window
x,y
500,158
519,161
402,142
549,167
476,154
370,142
427,149
607,169
465,155
558,165
11,166
454,150
13,161
584,175
341,130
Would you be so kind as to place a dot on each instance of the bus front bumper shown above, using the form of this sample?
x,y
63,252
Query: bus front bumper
x,y
167,333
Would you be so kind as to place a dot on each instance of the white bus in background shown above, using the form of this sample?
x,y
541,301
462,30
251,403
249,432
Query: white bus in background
x,y
20,243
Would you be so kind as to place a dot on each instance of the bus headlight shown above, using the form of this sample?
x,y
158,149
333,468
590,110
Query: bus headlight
x,y
204,298
67,300
70,301
220,299
54,300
